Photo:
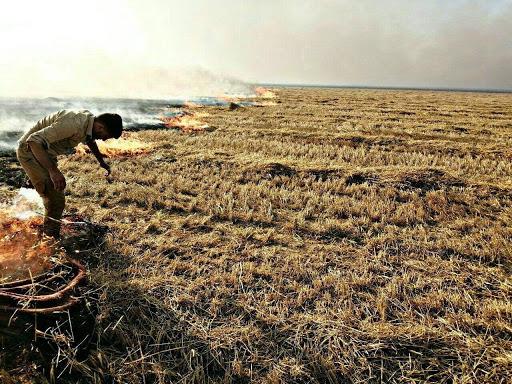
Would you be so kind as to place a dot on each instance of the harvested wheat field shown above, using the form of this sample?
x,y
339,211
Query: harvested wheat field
x,y
328,236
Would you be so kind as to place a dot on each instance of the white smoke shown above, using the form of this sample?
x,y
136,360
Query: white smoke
x,y
99,77
10,130
6,146
143,96
25,205
458,43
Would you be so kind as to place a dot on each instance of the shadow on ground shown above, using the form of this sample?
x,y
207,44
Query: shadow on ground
x,y
94,342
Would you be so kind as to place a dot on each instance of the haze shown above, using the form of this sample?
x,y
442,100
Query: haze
x,y
165,48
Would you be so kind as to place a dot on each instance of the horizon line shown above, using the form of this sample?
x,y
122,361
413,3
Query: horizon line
x,y
388,87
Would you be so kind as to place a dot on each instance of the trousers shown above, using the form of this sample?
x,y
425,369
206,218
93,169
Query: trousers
x,y
53,200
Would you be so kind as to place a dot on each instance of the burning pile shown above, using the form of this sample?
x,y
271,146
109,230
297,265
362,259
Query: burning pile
x,y
123,147
46,292
32,278
22,253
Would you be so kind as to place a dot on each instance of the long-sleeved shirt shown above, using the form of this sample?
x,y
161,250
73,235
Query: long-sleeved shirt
x,y
60,132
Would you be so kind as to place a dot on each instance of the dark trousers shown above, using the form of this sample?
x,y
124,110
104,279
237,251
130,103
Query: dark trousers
x,y
53,200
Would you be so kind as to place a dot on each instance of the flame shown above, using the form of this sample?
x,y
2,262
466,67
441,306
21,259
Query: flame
x,y
187,121
264,93
260,93
123,147
22,253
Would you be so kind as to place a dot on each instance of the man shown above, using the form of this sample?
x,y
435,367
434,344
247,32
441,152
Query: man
x,y
58,134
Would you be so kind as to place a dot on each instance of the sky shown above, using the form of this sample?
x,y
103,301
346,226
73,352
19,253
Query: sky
x,y
164,48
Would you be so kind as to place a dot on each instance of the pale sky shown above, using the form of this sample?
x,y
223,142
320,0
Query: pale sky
x,y
162,48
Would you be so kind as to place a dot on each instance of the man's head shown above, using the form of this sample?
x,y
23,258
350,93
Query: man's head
x,y
107,126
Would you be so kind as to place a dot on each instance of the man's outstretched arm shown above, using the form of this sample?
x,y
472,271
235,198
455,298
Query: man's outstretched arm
x,y
98,155
58,179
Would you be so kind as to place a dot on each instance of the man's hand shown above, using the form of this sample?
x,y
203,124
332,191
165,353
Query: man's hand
x,y
99,156
58,180
41,155
106,167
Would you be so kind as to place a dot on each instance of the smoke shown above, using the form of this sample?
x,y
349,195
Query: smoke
x,y
25,205
459,43
99,76
138,93
141,49
10,130
397,43
20,114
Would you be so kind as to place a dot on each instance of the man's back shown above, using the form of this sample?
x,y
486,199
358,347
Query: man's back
x,y
60,132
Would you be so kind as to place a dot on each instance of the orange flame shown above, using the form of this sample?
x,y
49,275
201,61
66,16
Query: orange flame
x,y
123,147
187,121
22,253
265,93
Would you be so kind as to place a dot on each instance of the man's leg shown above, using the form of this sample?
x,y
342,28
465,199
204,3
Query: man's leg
x,y
53,200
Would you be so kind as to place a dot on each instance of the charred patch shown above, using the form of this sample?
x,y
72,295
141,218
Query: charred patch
x,y
354,141
427,180
461,129
233,106
267,172
276,169
361,178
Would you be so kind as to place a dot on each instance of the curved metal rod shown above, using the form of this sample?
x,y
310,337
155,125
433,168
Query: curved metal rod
x,y
36,283
34,279
54,296
71,301
27,281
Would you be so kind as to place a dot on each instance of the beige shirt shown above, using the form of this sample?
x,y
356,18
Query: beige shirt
x,y
60,132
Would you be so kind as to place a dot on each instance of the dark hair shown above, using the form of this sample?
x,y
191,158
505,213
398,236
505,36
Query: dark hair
x,y
113,123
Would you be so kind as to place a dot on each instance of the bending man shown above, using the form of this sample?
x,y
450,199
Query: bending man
x,y
59,134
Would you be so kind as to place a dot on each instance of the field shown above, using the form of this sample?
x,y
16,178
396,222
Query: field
x,y
339,236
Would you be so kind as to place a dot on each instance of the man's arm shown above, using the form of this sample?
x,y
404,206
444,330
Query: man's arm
x,y
58,179
98,155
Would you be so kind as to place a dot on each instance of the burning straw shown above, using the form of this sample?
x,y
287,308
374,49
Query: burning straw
x,y
187,121
33,279
123,147
264,93
22,252
254,100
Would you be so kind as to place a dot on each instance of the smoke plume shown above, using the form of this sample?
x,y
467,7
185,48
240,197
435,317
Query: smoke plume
x,y
141,49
